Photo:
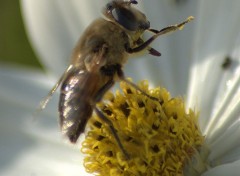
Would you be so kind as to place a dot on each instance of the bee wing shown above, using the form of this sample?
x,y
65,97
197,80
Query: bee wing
x,y
45,101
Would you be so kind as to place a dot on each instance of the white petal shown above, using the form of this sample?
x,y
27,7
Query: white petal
x,y
231,169
217,36
31,146
25,86
227,103
227,147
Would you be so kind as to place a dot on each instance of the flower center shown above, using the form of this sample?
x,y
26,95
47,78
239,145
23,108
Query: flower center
x,y
161,137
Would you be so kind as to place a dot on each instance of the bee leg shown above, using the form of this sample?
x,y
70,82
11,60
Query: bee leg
x,y
122,78
163,31
113,130
151,50
154,52
143,46
140,90
103,90
171,28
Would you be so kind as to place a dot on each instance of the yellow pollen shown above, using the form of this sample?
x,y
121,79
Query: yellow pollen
x,y
160,136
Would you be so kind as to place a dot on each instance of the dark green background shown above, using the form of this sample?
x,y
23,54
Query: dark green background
x,y
14,45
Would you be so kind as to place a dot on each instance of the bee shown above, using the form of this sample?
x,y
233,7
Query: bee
x,y
97,63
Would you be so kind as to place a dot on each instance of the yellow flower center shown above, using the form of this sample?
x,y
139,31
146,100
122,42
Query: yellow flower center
x,y
161,137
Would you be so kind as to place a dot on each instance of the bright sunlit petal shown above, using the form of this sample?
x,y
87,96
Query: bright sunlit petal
x,y
214,82
214,41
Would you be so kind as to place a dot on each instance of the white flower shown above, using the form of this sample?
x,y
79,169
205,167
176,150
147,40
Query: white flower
x,y
191,65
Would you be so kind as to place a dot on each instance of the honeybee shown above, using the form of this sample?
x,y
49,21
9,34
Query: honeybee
x,y
96,64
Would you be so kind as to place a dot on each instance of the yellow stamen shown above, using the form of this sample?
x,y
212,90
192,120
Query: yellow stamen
x,y
160,136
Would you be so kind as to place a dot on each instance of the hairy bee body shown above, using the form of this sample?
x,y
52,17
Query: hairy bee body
x,y
101,32
96,64
100,49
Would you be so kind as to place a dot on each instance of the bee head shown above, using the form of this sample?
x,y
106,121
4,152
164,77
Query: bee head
x,y
122,13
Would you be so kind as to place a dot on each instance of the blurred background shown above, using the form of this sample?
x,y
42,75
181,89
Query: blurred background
x,y
14,45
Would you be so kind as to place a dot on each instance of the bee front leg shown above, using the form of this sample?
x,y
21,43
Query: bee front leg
x,y
146,44
163,31
113,130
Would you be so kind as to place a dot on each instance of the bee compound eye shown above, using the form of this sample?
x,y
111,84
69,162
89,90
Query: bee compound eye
x,y
125,18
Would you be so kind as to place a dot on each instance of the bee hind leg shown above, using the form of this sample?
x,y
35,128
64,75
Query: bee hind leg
x,y
103,90
122,78
140,90
113,130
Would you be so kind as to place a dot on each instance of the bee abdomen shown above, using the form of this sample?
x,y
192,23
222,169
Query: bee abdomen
x,y
74,106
